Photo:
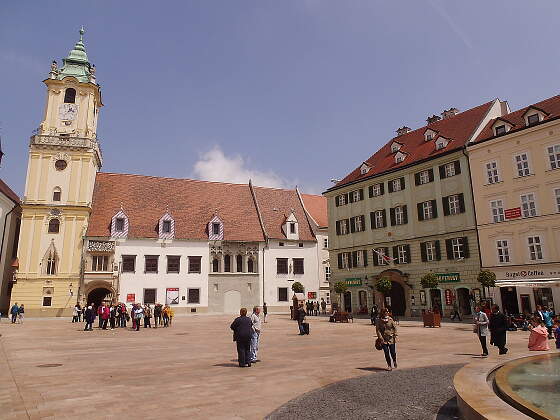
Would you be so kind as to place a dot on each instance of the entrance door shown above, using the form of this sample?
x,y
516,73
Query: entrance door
x,y
435,296
149,296
464,301
362,299
398,301
348,301
509,300
525,304
543,297
99,296
232,302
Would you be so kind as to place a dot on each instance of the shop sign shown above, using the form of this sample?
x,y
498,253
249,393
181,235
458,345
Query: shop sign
x,y
311,295
353,282
131,298
448,277
448,297
513,213
533,274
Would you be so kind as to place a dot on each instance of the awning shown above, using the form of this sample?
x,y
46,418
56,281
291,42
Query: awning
x,y
547,282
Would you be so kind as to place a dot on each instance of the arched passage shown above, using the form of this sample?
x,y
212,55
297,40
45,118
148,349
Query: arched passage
x,y
398,301
463,300
99,295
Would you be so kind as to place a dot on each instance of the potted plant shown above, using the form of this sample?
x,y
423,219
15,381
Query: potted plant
x,y
487,279
429,281
340,288
383,285
430,318
297,287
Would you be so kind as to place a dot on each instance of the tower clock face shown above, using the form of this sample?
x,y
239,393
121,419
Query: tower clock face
x,y
67,112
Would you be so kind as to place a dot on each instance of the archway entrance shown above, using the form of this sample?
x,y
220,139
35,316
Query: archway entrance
x,y
464,301
398,301
509,300
99,296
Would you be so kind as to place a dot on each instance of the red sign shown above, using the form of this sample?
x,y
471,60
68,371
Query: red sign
x,y
131,297
513,213
311,295
448,297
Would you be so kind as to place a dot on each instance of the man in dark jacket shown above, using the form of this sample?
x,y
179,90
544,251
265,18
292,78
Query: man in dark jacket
x,y
242,332
301,319
498,328
89,317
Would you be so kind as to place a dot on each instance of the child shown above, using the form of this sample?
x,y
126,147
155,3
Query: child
x,y
557,332
538,339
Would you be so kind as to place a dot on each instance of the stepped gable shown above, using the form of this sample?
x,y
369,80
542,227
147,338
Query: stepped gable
x,y
7,191
550,107
316,206
277,204
458,129
191,203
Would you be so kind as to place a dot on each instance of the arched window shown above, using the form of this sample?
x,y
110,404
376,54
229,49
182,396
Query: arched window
x,y
215,265
51,265
239,263
250,265
56,194
227,263
50,261
70,96
54,226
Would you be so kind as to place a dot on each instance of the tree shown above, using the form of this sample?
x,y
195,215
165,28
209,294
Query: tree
x,y
297,287
487,279
429,281
340,287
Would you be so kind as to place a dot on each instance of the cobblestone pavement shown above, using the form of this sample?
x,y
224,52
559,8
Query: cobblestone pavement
x,y
50,368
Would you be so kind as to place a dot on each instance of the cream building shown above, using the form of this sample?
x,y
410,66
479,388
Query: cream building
x,y
64,157
515,168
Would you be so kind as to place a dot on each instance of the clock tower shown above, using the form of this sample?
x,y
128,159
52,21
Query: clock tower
x,y
64,157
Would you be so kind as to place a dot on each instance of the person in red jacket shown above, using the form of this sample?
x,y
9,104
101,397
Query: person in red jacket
x,y
104,316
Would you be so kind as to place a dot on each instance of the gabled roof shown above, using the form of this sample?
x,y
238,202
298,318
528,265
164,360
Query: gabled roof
x,y
275,205
550,107
316,206
458,128
7,191
193,203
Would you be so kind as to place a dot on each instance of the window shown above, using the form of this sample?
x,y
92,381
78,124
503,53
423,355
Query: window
x,y
554,156
215,228
528,205
497,209
399,215
119,224
356,196
454,202
47,300
342,227
379,219
51,266
70,96
492,174
326,243
151,264
194,264
215,265
99,262
430,251
557,196
449,169
381,256
280,243
344,260
375,190
503,251
298,266
282,294
535,248
499,130
227,263
342,199
150,296
533,119
429,136
427,210
403,254
457,248
395,147
399,157
292,228
250,265
281,266
327,273
56,194
440,144
522,163
193,296
300,245
128,263
173,264
239,263
166,226
54,226
396,185
357,224
364,169
423,177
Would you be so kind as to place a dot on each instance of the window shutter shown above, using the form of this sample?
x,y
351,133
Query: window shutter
x,y
363,218
337,200
457,165
396,254
420,211
338,227
392,216
466,247
364,257
401,180
431,174
434,207
352,225
405,214
382,188
384,218
442,172
372,219
417,178
423,255
375,256
370,191
340,261
354,259
347,198
361,193
438,251
445,202
408,256
461,203
390,186
449,249
350,197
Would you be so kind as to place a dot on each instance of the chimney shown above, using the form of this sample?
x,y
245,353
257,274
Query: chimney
x,y
403,130
448,113
432,119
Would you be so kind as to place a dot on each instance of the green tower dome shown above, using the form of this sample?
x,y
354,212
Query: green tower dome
x,y
77,64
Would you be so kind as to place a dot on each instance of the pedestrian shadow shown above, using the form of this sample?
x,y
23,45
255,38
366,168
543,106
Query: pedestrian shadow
x,y
449,410
226,364
468,354
372,369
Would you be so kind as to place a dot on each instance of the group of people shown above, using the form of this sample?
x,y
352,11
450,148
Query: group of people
x,y
117,315
316,308
543,326
17,313
246,334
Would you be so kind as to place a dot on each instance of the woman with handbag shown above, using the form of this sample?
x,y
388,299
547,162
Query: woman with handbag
x,y
386,331
480,328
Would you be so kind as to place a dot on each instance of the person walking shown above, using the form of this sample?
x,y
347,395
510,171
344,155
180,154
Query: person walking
x,y
112,316
386,331
323,306
373,314
538,338
157,315
147,316
138,315
89,317
256,323
79,310
14,312
242,328
548,321
301,319
456,311
171,315
480,328
104,317
265,312
21,313
165,313
75,312
498,328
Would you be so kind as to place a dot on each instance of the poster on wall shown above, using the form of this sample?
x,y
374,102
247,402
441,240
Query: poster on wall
x,y
311,295
448,297
172,296
130,297
422,297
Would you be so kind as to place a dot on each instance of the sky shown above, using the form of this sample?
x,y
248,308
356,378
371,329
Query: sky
x,y
291,92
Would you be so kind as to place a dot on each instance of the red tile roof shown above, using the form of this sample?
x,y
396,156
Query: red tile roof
x,y
191,203
458,129
550,106
316,206
275,205
7,191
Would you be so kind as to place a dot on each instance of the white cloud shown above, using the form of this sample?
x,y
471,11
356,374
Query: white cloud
x,y
214,165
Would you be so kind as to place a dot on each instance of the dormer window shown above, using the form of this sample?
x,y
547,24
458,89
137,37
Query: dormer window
x,y
399,157
395,147
534,116
293,228
166,226
290,227
364,169
216,229
533,119
119,225
429,135
441,143
500,129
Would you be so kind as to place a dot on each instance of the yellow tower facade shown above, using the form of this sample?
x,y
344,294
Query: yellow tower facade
x,y
64,157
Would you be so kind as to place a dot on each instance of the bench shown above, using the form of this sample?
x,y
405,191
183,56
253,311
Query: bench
x,y
341,317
